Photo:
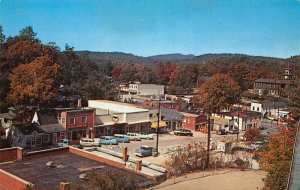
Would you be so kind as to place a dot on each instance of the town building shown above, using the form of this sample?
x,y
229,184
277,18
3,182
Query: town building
x,y
274,87
268,108
169,104
238,119
116,117
147,89
137,92
78,122
193,121
68,168
173,118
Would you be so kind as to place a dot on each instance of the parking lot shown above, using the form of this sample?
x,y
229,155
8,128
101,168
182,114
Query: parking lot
x,y
167,143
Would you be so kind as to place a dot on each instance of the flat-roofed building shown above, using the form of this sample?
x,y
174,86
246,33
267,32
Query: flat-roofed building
x,y
116,117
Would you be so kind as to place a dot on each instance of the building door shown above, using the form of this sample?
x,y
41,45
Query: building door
x,y
54,138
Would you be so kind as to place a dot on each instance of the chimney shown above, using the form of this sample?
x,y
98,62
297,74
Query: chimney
x,y
79,103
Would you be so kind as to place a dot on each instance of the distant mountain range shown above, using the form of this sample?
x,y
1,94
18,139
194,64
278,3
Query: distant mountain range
x,y
119,57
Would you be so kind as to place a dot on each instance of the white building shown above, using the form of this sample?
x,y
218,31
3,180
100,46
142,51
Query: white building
x,y
268,108
115,117
147,89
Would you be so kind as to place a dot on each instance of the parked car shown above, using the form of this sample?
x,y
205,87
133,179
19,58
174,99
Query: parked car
x,y
62,143
147,136
89,142
262,127
257,145
108,140
184,132
133,136
121,138
234,131
222,132
144,151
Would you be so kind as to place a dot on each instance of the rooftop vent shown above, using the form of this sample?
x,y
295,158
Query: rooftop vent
x,y
50,164
82,176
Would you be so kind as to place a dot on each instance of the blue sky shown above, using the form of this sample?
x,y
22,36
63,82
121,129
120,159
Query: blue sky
x,y
150,27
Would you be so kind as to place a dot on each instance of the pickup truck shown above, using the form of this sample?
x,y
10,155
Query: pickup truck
x,y
184,132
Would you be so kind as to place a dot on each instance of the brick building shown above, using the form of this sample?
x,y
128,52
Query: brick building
x,y
193,121
78,123
179,106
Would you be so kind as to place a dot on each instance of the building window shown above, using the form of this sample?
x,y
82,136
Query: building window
x,y
63,120
62,135
46,138
257,109
84,119
39,140
28,141
150,115
253,108
72,120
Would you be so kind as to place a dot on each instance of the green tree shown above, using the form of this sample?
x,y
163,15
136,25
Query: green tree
x,y
28,34
2,36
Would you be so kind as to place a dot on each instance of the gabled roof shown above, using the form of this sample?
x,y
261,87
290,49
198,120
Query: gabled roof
x,y
171,114
28,129
274,81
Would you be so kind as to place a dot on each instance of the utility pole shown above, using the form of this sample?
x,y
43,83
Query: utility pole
x,y
208,140
157,129
237,134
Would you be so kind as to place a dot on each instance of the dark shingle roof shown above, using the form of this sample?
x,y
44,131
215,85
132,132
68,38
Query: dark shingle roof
x,y
274,81
171,114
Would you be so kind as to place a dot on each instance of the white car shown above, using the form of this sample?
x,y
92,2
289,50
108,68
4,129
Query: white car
x,y
133,136
147,136
89,142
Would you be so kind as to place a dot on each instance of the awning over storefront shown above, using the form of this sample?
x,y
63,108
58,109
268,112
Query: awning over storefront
x,y
154,124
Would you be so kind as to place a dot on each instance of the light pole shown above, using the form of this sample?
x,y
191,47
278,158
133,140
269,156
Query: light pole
x,y
157,129
208,140
238,129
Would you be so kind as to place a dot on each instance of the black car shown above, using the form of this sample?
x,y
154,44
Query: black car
x,y
262,127
234,131
184,132
222,132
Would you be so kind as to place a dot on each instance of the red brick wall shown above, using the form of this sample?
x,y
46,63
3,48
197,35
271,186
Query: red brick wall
x,y
190,123
96,158
8,154
78,124
11,182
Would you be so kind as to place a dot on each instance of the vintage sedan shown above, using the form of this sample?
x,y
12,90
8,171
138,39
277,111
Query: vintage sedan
x,y
144,151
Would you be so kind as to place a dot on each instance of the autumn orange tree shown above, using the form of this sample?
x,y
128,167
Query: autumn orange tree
x,y
34,83
253,134
276,160
219,92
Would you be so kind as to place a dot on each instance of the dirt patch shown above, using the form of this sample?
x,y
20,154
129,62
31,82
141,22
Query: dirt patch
x,y
224,179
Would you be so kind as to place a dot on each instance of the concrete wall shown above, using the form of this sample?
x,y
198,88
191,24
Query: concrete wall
x,y
137,117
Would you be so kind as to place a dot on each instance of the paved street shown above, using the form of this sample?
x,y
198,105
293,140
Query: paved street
x,y
168,142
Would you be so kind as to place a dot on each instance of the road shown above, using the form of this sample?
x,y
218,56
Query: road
x,y
168,142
